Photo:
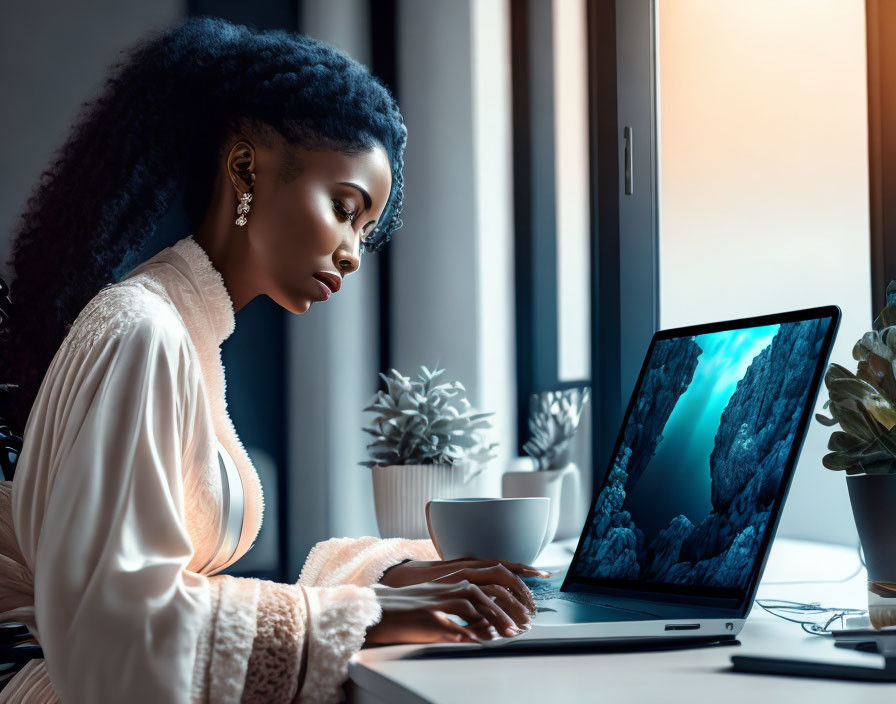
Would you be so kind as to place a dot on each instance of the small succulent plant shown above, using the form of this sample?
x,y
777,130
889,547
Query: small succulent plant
x,y
864,403
553,419
417,424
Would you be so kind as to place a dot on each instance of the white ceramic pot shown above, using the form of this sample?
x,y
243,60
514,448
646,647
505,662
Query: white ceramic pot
x,y
400,494
546,483
573,506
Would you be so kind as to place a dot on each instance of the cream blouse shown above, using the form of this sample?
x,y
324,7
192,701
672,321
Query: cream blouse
x,y
133,490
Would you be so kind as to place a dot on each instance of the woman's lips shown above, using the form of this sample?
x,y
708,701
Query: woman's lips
x,y
325,290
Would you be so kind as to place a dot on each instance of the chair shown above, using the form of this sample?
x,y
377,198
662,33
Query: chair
x,y
15,651
10,443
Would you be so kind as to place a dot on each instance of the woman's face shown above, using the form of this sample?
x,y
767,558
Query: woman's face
x,y
314,223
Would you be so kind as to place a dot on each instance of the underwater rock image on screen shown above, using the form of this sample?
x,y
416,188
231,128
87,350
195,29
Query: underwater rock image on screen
x,y
702,458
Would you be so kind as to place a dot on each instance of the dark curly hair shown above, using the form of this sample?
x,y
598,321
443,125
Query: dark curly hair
x,y
155,131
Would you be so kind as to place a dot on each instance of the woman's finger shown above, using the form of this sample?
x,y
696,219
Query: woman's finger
x,y
506,601
457,631
478,617
470,603
495,574
503,576
518,567
521,568
498,617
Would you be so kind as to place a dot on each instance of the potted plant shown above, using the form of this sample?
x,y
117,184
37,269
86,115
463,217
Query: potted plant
x,y
425,447
864,406
553,419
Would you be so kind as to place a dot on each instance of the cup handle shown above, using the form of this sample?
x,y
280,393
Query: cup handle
x,y
432,533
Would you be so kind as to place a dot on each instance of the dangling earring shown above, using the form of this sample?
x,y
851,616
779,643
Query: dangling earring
x,y
243,208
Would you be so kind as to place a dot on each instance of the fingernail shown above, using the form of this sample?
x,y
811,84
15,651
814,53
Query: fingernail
x,y
512,631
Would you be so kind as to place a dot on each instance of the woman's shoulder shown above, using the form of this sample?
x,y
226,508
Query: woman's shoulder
x,y
127,308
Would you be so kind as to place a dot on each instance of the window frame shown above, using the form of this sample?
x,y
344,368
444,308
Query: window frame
x,y
624,283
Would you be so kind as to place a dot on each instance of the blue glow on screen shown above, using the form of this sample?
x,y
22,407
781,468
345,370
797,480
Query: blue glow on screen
x,y
680,467
702,457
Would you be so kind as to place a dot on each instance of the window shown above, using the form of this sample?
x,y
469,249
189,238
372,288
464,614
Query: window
x,y
763,181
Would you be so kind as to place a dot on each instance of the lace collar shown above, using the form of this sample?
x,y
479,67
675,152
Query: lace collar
x,y
218,304
184,274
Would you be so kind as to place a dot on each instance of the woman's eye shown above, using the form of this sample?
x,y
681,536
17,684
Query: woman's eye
x,y
350,216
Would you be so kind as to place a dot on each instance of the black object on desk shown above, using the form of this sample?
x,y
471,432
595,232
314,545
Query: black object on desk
x,y
866,640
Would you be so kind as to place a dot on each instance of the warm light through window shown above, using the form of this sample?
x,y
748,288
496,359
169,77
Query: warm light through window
x,y
572,201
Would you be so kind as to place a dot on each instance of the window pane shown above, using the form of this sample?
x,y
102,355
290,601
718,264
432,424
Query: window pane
x,y
763,145
572,204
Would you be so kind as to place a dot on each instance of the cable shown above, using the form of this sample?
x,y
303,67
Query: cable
x,y
774,606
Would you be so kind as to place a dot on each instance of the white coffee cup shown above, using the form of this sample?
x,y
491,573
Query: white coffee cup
x,y
511,529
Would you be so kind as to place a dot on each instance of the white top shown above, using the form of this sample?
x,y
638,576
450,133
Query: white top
x,y
133,491
232,513
132,488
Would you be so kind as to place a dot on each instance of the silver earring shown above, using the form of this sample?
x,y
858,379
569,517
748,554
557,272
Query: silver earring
x,y
243,208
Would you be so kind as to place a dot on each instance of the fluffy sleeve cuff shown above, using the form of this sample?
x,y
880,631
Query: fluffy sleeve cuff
x,y
273,643
269,642
360,561
338,619
226,642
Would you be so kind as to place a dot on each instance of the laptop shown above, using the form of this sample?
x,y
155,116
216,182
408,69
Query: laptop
x,y
679,531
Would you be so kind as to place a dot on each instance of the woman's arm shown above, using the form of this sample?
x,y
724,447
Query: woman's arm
x,y
99,513
268,642
360,561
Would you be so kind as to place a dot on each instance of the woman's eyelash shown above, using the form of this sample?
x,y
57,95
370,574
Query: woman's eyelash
x,y
343,212
350,216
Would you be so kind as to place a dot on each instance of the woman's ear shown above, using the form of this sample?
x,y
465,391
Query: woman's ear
x,y
241,166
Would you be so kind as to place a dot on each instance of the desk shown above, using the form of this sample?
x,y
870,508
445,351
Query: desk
x,y
381,676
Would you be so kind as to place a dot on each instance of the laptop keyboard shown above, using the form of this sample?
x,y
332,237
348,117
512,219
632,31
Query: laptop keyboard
x,y
549,588
545,587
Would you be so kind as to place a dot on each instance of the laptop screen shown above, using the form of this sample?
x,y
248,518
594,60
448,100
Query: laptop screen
x,y
705,456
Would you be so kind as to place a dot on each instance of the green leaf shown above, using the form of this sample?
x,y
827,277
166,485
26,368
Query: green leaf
x,y
844,442
853,418
871,343
837,460
835,371
878,467
386,411
865,394
477,416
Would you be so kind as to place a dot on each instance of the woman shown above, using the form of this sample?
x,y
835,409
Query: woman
x,y
132,489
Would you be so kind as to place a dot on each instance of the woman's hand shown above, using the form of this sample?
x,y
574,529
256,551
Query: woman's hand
x,y
507,598
420,613
418,571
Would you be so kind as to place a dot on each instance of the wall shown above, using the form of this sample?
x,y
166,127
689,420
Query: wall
x,y
764,186
55,56
453,260
332,360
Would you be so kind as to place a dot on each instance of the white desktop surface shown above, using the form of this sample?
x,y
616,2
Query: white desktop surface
x,y
693,675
